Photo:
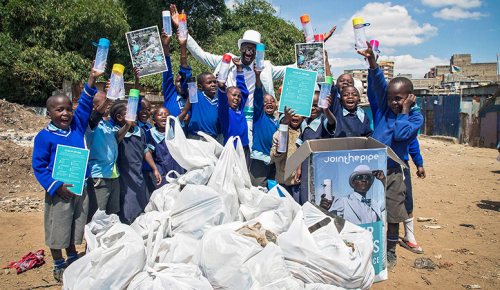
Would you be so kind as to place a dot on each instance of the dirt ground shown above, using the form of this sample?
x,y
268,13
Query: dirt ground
x,y
462,187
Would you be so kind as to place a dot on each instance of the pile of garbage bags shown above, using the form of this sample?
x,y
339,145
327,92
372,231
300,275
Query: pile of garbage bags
x,y
210,229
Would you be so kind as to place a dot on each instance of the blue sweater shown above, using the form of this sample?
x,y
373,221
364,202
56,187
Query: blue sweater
x,y
264,126
414,151
394,130
173,101
349,124
204,116
234,122
46,141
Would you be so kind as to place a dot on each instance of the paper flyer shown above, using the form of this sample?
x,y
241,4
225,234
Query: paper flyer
x,y
298,91
70,166
146,51
310,56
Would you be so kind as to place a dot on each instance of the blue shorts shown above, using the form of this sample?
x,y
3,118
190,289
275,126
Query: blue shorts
x,y
409,194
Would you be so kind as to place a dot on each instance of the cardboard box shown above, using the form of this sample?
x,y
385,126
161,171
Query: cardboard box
x,y
347,177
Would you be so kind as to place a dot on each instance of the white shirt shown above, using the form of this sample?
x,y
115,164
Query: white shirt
x,y
351,208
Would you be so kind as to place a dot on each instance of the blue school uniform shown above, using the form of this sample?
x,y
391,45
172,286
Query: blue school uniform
x,y
394,130
264,128
204,116
349,124
46,141
311,130
133,192
103,150
173,101
233,122
161,156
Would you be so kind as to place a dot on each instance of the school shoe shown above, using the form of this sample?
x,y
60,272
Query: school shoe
x,y
391,260
72,259
58,274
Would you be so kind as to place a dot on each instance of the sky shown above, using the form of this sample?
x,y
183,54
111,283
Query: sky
x,y
415,34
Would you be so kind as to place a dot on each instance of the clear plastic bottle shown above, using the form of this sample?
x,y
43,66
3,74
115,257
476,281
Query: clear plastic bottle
x,y
116,86
308,30
325,91
327,189
101,55
259,57
132,104
224,67
167,22
375,44
282,138
359,33
192,90
183,32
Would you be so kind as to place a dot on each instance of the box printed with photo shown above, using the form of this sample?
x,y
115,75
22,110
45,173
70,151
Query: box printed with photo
x,y
310,56
351,184
146,51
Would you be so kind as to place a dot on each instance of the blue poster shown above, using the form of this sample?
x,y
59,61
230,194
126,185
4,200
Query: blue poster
x,y
351,184
70,166
298,91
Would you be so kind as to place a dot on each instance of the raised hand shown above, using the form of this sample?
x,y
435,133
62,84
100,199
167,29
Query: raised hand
x,y
329,34
238,64
174,15
165,39
289,113
369,55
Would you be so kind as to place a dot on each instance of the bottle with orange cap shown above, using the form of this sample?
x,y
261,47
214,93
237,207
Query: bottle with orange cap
x,y
116,86
308,30
359,33
183,32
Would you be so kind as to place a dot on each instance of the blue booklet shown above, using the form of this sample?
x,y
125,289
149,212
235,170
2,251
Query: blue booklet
x,y
298,91
70,166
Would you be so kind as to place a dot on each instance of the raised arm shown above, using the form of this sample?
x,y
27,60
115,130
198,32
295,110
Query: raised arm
x,y
240,82
377,85
167,84
85,102
258,98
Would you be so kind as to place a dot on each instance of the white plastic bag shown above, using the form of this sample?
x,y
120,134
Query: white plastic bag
x,y
197,209
323,256
180,248
98,226
163,198
118,256
190,154
170,276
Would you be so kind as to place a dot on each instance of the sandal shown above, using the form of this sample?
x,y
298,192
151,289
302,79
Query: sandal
x,y
411,246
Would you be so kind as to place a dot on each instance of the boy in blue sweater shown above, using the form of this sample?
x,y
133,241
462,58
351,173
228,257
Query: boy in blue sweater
x,y
396,125
65,212
265,124
232,100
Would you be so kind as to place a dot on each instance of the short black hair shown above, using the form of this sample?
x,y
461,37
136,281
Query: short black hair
x,y
201,76
117,108
406,83
155,112
51,100
345,74
350,87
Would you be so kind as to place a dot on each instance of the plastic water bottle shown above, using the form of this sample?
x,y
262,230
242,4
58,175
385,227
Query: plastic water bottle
x,y
319,38
116,86
259,57
325,91
327,189
359,33
132,104
167,22
374,44
282,138
308,30
101,55
193,90
224,67
183,32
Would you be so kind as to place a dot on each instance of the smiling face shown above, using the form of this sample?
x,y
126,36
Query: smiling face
x,y
269,105
315,110
208,85
396,95
234,97
248,51
296,121
60,111
349,98
362,183
343,81
145,111
160,118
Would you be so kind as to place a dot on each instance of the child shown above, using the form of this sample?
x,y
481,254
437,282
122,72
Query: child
x,y
409,241
318,126
232,100
203,114
292,183
396,124
344,80
132,151
156,142
65,212
103,147
265,125
175,93
351,119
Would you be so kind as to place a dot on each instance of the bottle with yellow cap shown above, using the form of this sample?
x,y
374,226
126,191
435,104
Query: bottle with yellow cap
x,y
183,33
116,86
359,33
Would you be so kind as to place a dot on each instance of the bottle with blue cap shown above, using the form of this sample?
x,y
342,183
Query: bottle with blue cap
x,y
167,22
259,57
101,55
359,33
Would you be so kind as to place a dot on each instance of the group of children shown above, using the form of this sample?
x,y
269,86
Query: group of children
x,y
129,160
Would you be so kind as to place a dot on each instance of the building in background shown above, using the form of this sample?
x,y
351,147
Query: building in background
x,y
388,68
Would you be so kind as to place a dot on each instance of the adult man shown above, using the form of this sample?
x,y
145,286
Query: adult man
x,y
356,207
